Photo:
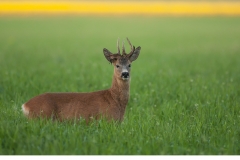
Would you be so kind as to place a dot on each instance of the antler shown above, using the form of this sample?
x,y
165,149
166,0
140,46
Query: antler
x,y
132,48
118,46
123,49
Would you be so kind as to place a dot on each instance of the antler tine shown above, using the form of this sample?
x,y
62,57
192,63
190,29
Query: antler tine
x,y
123,49
130,44
132,47
118,46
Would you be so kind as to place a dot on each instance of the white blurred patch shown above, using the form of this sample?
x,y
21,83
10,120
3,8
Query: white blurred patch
x,y
25,111
124,70
125,79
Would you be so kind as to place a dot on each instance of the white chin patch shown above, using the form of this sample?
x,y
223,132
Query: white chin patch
x,y
125,79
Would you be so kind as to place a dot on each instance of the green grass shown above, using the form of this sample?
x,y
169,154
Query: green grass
x,y
185,86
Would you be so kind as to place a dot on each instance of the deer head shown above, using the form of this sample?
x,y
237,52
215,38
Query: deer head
x,y
122,62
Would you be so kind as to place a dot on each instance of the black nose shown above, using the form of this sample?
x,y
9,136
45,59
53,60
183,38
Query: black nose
x,y
125,74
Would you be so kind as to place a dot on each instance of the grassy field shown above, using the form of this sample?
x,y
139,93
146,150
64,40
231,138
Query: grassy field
x,y
185,86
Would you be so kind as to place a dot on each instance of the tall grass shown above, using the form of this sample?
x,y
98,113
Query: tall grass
x,y
185,93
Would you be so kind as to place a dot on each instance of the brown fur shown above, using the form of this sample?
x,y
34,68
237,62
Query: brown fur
x,y
110,103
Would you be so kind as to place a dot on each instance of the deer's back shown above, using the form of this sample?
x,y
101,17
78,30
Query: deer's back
x,y
72,105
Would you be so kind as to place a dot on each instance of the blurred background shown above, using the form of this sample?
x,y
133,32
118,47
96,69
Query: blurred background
x,y
142,7
167,30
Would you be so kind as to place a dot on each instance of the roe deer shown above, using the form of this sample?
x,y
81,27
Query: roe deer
x,y
110,103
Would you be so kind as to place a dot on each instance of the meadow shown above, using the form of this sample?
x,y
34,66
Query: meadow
x,y
185,85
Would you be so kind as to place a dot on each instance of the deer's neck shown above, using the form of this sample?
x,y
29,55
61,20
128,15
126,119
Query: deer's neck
x,y
120,92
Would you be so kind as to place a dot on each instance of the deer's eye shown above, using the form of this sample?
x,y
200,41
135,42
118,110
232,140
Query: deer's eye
x,y
117,66
129,65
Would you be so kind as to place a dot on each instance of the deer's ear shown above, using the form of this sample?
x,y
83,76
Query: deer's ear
x,y
109,56
135,54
